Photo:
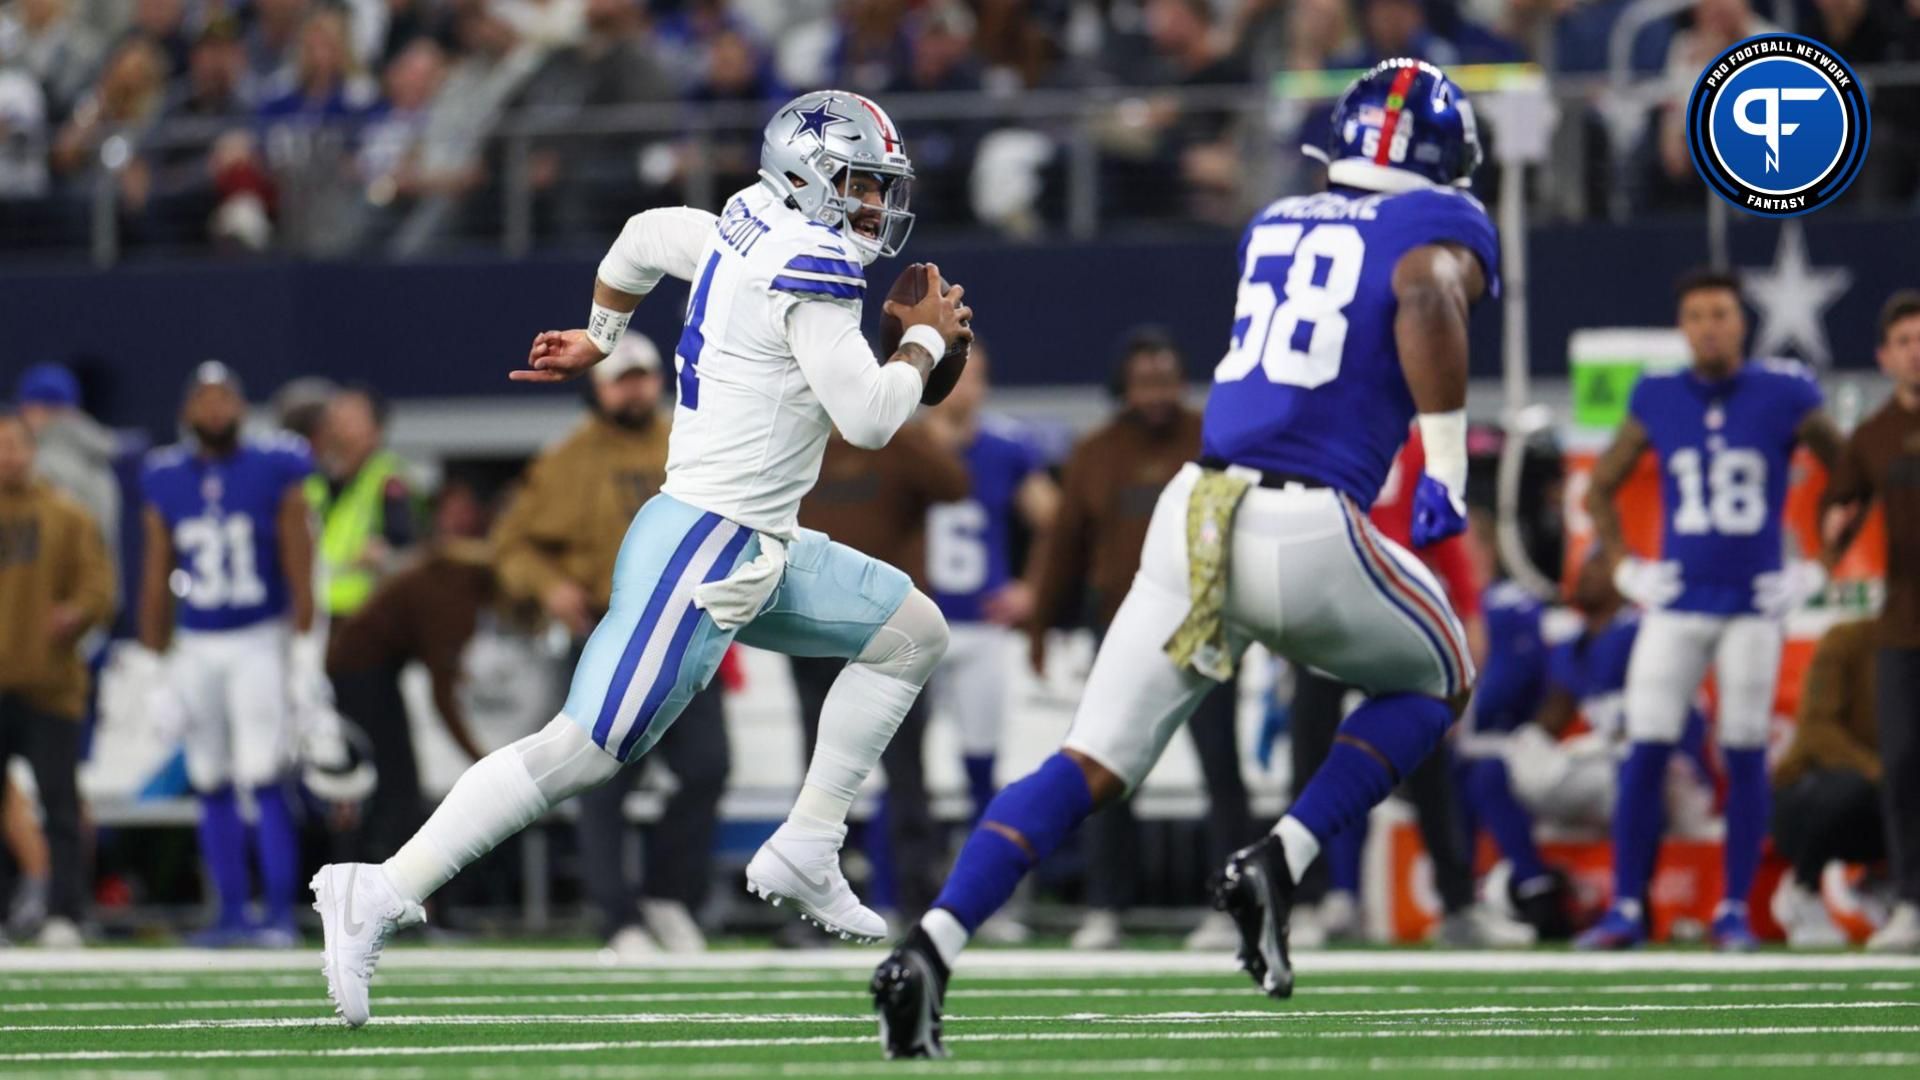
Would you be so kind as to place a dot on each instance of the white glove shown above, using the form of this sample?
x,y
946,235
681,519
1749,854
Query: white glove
x,y
734,600
1650,584
307,685
1780,591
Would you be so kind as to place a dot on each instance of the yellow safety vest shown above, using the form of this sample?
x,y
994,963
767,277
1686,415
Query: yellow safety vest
x,y
346,524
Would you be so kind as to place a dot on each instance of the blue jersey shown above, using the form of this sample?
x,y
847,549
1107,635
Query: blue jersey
x,y
1592,668
1311,384
1724,449
1513,681
970,541
224,516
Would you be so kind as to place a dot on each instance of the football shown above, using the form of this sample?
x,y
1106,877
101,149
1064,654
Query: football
x,y
909,288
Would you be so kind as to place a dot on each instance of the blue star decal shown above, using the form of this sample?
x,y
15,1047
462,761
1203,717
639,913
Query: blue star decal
x,y
816,120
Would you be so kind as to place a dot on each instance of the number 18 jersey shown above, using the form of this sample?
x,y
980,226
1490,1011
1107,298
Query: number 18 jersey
x,y
1724,449
1311,383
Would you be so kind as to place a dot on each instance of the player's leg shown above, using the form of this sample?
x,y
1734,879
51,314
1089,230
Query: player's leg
x,y
973,687
260,724
197,670
835,601
1229,820
1353,604
1534,890
1746,667
679,852
1670,657
645,659
1135,699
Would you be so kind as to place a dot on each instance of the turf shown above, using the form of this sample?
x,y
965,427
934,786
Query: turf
x,y
520,1014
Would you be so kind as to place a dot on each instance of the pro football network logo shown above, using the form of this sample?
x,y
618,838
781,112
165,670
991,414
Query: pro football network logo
x,y
1778,125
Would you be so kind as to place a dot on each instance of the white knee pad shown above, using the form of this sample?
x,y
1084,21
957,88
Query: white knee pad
x,y
909,646
563,761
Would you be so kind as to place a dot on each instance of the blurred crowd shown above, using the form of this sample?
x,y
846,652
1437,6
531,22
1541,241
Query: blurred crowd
x,y
281,695
326,128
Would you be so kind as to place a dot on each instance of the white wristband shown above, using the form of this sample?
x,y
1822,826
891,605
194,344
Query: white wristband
x,y
927,338
1444,436
604,327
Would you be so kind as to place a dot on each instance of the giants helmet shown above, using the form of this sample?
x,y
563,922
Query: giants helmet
x,y
1400,126
816,138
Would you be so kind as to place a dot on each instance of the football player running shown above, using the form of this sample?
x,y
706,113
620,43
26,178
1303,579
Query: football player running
x,y
770,358
1351,322
1724,432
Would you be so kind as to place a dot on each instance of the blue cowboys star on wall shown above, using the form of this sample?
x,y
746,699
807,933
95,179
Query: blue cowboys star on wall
x,y
817,120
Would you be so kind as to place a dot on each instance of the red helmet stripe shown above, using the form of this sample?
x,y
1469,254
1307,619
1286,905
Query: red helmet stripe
x,y
1396,103
886,131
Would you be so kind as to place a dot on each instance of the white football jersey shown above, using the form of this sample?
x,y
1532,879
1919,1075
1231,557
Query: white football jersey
x,y
748,430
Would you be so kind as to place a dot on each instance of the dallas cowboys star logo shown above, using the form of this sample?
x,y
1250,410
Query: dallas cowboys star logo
x,y
816,120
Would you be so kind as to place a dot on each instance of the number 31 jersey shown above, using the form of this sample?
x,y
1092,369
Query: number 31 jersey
x,y
1724,449
224,517
1311,384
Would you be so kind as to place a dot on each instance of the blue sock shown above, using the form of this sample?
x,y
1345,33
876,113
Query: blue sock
x,y
223,845
1502,815
1639,817
1343,857
1749,802
1376,747
277,845
882,890
979,782
1043,807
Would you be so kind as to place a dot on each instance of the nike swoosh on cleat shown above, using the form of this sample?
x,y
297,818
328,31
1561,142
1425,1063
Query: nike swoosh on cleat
x,y
804,879
353,928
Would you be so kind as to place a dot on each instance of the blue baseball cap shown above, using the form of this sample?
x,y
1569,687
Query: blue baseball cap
x,y
47,384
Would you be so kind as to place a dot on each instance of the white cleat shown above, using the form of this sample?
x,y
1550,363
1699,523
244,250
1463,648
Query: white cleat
x,y
1804,916
359,910
803,866
1901,934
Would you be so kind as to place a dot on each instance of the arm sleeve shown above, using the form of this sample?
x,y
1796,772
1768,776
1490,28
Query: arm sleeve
x,y
1065,564
1851,480
938,473
1455,217
525,565
659,242
868,402
94,587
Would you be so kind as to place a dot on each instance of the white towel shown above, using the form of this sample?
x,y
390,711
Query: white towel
x,y
734,600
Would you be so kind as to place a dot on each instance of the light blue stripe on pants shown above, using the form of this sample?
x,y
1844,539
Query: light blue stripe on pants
x,y
654,650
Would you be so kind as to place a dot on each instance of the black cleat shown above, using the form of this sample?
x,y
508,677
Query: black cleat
x,y
1257,890
1545,904
908,989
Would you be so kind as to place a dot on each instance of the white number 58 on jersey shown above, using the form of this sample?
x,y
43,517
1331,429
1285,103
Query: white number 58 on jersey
x,y
1296,341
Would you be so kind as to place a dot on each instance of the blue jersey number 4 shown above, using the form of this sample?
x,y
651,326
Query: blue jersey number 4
x,y
1290,320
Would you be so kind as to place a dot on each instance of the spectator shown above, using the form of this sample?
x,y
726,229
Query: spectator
x,y
1390,28
326,86
1880,461
164,24
54,45
876,502
1163,152
1826,803
390,144
735,71
272,36
126,102
1108,490
55,585
74,452
873,49
1870,33
408,21
596,182
1717,24
360,494
23,145
492,67
428,613
215,87
941,61
556,547
550,24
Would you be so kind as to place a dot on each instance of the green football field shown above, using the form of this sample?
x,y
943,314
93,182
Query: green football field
x,y
551,1013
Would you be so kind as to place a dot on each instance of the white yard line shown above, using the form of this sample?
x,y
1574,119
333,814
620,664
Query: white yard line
x,y
1630,1063
348,1052
1291,1018
384,997
1014,962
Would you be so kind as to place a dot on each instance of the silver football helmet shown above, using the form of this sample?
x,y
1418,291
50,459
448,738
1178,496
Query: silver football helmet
x,y
819,136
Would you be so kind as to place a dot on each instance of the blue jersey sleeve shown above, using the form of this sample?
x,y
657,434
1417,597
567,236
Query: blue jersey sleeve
x,y
1447,216
1640,401
1799,390
294,462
